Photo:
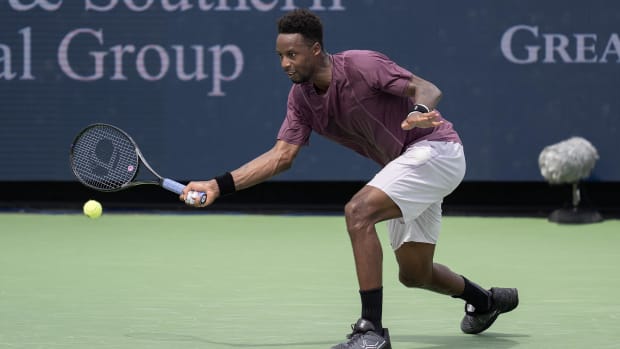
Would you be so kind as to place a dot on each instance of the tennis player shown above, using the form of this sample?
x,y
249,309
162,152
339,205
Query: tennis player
x,y
368,103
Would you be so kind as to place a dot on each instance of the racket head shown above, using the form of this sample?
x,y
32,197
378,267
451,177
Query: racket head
x,y
104,157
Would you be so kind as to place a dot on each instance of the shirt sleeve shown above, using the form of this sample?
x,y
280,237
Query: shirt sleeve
x,y
382,74
295,129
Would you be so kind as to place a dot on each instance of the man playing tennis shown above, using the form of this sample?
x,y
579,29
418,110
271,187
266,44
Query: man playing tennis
x,y
366,102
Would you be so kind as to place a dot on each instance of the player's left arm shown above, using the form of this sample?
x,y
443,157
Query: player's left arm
x,y
425,95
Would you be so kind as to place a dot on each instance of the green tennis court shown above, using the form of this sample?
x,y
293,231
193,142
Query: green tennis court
x,y
254,281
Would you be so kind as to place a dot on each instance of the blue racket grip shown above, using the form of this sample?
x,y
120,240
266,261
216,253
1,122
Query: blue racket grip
x,y
177,187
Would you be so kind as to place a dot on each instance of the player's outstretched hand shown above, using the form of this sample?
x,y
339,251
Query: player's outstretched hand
x,y
191,192
422,120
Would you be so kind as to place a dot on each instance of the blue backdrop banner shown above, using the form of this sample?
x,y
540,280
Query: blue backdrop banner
x,y
198,84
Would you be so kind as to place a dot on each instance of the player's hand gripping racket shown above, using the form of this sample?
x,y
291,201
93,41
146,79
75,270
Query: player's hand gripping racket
x,y
105,158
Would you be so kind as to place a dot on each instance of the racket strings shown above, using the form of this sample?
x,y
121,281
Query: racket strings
x,y
104,158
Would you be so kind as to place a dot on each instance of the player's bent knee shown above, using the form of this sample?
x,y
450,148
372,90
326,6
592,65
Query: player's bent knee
x,y
352,209
356,217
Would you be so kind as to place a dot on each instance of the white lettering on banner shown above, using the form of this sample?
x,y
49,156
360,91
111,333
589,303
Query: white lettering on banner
x,y
199,74
27,56
159,61
119,51
556,47
612,48
185,5
163,58
47,5
6,66
218,77
213,5
63,55
6,73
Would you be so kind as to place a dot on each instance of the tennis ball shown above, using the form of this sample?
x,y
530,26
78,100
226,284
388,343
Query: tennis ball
x,y
93,209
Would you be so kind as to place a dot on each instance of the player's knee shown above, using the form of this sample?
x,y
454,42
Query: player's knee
x,y
352,209
356,217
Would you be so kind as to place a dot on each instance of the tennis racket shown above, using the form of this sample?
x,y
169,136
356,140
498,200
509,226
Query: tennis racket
x,y
105,158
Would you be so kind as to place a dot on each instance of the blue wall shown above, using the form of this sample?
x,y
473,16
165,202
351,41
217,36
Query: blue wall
x,y
517,75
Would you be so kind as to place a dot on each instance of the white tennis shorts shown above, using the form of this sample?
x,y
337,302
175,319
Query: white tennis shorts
x,y
417,181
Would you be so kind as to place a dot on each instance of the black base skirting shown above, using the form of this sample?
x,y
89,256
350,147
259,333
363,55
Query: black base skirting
x,y
470,198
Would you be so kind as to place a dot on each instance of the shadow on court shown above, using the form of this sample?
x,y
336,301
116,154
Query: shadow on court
x,y
171,337
488,340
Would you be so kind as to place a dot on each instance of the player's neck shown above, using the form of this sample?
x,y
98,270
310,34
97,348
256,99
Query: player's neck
x,y
323,77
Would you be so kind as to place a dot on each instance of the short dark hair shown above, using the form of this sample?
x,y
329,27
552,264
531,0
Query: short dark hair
x,y
304,22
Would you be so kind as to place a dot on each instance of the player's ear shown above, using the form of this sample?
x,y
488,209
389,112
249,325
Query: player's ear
x,y
316,48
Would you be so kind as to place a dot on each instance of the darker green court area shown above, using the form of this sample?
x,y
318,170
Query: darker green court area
x,y
252,281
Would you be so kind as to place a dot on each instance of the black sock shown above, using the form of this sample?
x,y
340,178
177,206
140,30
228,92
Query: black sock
x,y
372,307
476,296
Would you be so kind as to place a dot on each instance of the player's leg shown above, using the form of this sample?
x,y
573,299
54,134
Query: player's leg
x,y
417,269
414,248
399,189
369,206
438,169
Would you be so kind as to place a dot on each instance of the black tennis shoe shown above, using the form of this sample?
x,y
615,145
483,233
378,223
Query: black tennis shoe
x,y
365,336
503,300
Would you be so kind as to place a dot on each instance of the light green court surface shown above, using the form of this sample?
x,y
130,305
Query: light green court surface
x,y
250,281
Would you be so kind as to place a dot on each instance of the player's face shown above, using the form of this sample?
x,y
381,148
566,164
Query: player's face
x,y
297,57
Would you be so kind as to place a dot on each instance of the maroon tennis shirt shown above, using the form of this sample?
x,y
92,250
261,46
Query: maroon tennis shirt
x,y
362,109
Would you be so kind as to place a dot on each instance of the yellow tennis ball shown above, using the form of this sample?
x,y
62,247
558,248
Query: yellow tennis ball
x,y
93,209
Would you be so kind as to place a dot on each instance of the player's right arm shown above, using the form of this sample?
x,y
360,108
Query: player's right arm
x,y
274,161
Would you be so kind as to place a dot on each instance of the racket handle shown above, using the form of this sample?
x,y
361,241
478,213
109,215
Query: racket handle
x,y
177,187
